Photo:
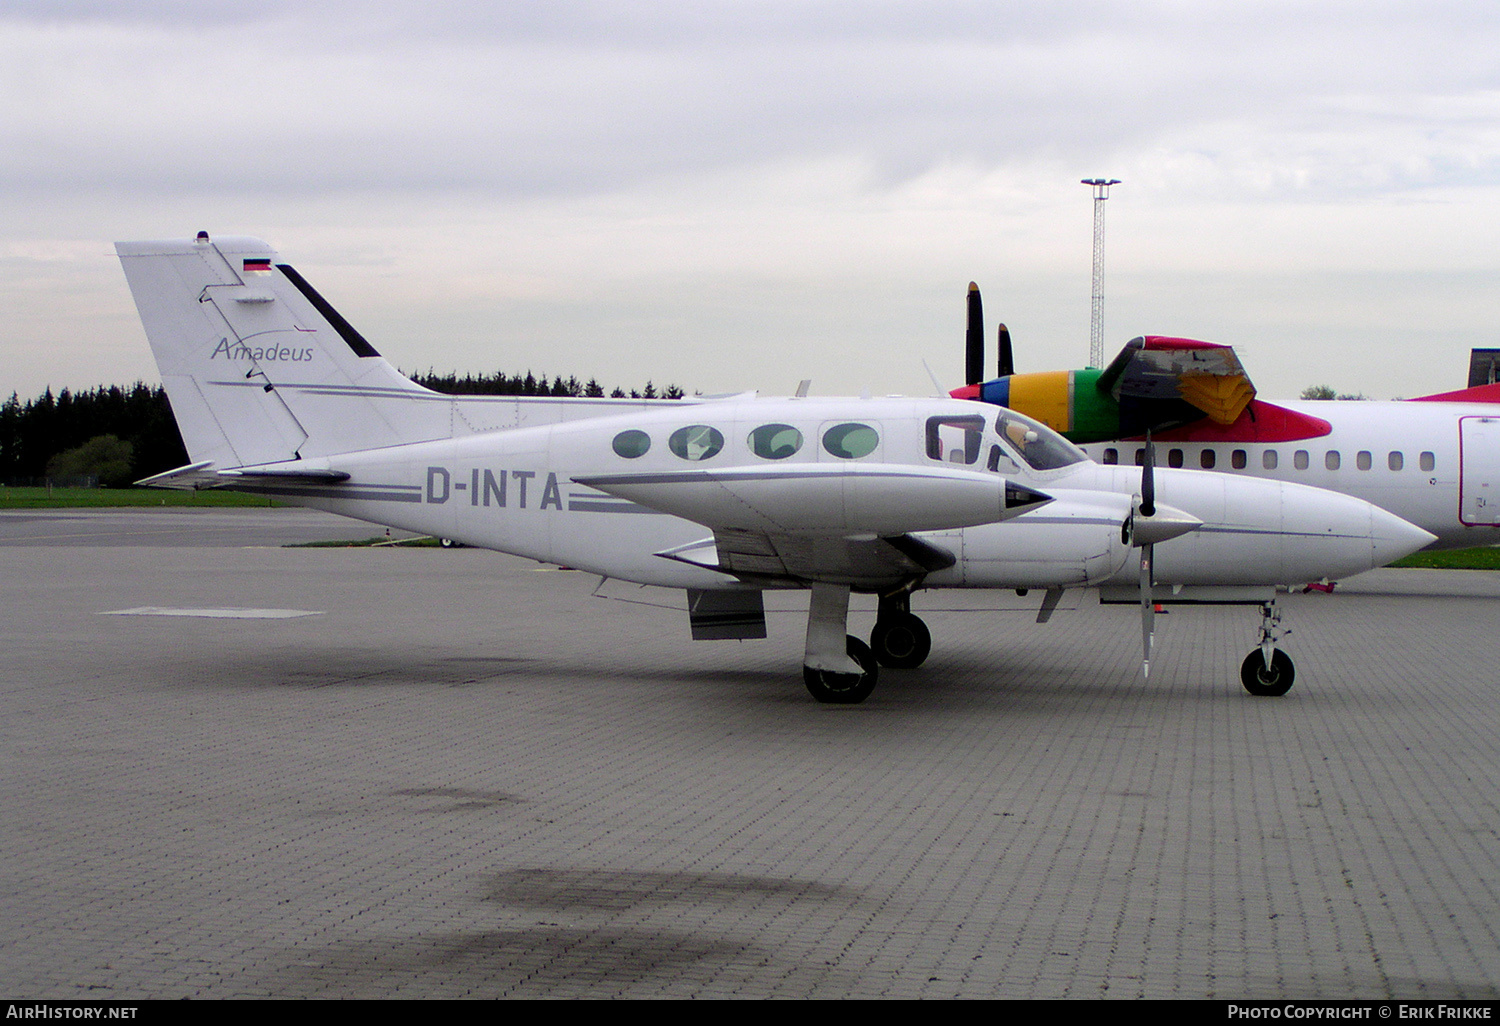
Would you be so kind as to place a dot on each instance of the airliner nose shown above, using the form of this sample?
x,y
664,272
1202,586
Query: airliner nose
x,y
1391,538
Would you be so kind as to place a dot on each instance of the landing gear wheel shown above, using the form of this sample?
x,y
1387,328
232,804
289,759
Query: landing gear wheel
x,y
844,688
1270,683
901,642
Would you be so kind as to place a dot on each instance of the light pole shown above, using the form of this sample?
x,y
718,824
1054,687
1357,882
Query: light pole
x,y
1096,309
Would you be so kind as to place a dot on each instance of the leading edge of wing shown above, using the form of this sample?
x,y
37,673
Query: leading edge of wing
x,y
876,499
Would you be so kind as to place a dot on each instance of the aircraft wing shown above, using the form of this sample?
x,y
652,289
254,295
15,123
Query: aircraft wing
x,y
873,498
847,524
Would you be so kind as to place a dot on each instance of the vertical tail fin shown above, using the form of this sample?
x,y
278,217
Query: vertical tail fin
x,y
258,366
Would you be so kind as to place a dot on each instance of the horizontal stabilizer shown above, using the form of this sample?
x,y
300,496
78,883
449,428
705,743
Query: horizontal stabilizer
x,y
200,475
188,478
273,473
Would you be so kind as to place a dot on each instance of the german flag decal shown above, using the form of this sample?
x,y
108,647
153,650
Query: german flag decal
x,y
257,263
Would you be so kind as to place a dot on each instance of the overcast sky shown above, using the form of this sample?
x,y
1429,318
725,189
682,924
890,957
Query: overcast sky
x,y
732,196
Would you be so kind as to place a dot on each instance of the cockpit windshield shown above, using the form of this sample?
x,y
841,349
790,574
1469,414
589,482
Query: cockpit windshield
x,y
1039,446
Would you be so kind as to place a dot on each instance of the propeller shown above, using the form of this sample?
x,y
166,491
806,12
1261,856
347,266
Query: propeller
x,y
974,343
974,339
1148,525
1146,507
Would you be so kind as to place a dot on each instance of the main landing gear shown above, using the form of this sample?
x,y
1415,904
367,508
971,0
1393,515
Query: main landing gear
x,y
835,667
843,688
899,640
1267,671
842,669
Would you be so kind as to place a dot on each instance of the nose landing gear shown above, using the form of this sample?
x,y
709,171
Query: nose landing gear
x,y
1267,671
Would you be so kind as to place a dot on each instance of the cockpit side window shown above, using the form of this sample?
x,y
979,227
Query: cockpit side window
x,y
1037,445
954,439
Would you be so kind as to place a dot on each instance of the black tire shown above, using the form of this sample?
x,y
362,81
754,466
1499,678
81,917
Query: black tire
x,y
901,642
844,688
1264,683
449,543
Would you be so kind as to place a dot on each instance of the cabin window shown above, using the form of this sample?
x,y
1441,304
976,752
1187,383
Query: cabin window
x,y
1332,460
696,442
1300,459
954,439
1207,458
1269,459
850,441
1238,460
1427,461
1395,461
775,441
632,444
1111,457
1174,457
1363,460
1140,457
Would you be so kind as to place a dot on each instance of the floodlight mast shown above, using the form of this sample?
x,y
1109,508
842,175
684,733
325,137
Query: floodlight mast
x,y
1096,309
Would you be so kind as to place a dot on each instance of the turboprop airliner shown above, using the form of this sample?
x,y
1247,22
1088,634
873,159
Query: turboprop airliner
x,y
277,394
1433,461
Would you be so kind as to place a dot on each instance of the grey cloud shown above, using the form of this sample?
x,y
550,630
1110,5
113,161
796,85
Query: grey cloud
x,y
578,98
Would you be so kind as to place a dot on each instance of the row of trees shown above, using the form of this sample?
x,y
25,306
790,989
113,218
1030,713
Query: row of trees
x,y
527,384
116,435
1327,392
107,433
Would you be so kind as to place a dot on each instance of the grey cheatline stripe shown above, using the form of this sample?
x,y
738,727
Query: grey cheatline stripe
x,y
217,614
392,493
604,504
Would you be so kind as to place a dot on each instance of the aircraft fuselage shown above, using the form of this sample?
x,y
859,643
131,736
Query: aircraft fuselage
x,y
1434,464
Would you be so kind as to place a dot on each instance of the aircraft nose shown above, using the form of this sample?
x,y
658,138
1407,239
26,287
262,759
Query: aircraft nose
x,y
1391,538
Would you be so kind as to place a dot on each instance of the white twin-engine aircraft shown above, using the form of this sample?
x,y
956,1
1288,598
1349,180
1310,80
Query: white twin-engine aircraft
x,y
277,394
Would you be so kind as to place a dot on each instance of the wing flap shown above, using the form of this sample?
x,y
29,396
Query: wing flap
x,y
793,560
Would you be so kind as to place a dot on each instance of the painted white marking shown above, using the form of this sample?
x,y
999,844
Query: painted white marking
x,y
222,614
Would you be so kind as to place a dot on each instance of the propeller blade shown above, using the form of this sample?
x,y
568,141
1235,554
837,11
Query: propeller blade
x,y
1147,509
1148,479
974,340
1148,611
1007,365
